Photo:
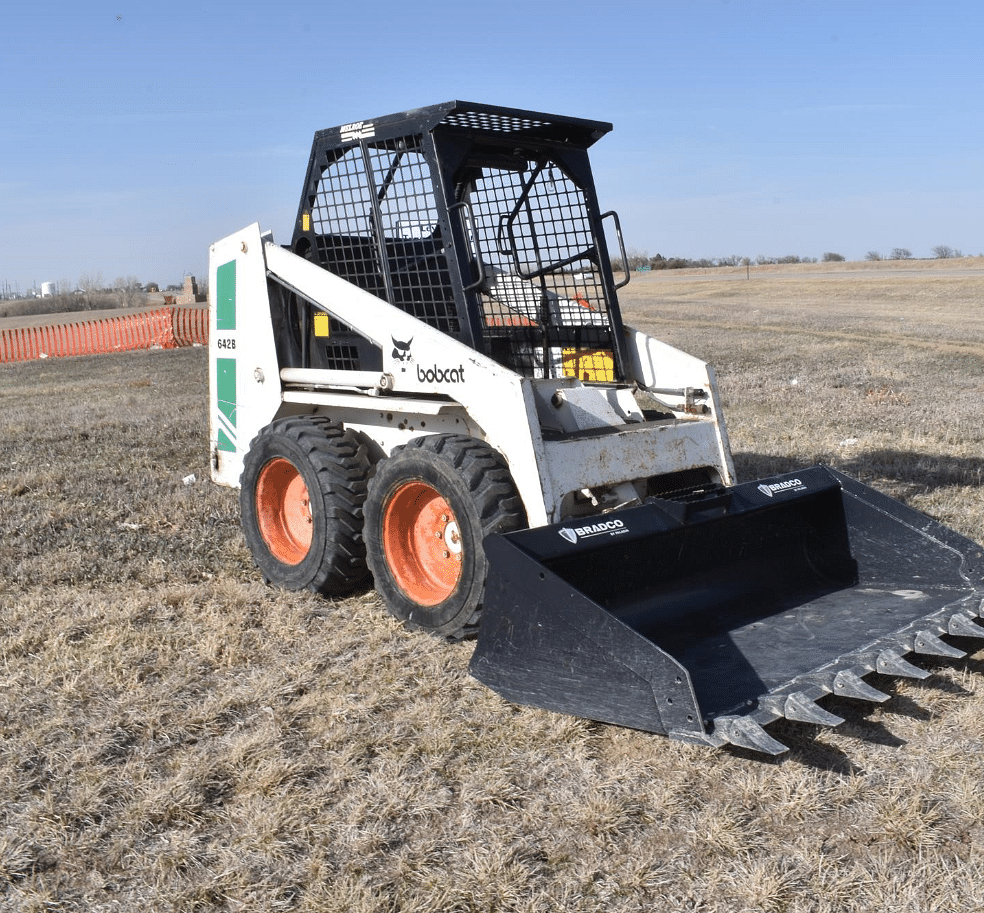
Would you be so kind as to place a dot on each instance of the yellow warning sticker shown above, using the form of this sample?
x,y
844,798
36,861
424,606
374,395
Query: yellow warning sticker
x,y
322,325
306,222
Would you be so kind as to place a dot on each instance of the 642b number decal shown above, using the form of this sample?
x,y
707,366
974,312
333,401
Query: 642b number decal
x,y
226,343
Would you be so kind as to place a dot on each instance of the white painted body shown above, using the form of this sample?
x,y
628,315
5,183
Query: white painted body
x,y
559,436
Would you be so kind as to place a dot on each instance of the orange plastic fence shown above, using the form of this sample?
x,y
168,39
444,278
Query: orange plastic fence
x,y
165,327
190,325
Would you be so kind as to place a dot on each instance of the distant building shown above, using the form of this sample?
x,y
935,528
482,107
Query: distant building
x,y
190,294
47,289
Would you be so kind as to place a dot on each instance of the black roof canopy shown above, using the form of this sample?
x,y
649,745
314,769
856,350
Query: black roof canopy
x,y
488,121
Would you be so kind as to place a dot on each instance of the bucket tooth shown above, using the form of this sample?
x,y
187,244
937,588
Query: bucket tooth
x,y
746,733
891,662
850,684
928,643
801,709
964,626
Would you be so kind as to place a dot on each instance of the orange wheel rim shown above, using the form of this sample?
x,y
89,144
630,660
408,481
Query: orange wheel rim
x,y
283,511
422,543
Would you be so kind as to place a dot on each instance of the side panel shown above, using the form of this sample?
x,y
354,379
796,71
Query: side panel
x,y
244,383
659,367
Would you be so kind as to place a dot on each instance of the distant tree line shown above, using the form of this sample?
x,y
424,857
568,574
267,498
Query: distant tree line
x,y
642,261
940,252
639,261
88,294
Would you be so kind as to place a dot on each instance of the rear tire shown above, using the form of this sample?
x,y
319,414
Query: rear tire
x,y
429,507
301,499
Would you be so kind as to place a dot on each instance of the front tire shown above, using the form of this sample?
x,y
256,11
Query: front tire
x,y
429,507
301,498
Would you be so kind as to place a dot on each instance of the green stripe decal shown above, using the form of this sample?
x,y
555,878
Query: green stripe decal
x,y
225,296
225,389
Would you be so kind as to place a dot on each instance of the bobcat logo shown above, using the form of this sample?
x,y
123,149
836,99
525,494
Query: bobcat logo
x,y
401,350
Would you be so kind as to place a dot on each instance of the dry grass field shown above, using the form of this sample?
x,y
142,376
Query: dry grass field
x,y
36,311
174,736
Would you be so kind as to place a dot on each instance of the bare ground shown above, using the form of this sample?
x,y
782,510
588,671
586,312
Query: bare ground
x,y
176,736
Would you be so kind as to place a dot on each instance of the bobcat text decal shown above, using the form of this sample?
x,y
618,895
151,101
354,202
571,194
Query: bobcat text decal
x,y
438,375
433,375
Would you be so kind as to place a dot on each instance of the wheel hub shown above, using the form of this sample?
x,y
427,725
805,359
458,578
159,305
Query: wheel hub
x,y
422,543
452,538
283,511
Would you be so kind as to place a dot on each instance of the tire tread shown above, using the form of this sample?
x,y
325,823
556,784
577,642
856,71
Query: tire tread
x,y
341,464
485,474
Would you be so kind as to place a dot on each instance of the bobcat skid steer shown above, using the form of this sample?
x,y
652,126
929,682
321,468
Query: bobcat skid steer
x,y
432,385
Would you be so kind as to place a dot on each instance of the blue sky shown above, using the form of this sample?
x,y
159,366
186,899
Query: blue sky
x,y
135,134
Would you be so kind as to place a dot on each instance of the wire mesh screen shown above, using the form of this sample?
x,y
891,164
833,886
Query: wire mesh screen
x,y
341,215
544,307
379,228
411,237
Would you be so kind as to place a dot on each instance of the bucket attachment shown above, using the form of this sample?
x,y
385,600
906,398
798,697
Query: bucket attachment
x,y
708,619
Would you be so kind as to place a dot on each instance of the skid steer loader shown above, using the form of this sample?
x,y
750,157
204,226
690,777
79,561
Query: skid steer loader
x,y
432,385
